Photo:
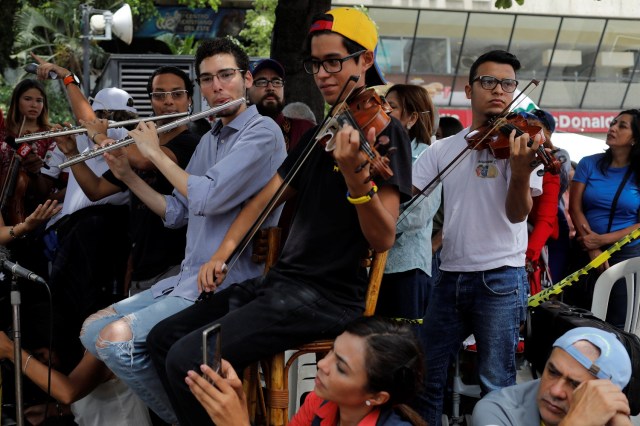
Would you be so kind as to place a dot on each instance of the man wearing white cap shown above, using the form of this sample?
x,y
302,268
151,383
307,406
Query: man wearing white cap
x,y
581,385
88,240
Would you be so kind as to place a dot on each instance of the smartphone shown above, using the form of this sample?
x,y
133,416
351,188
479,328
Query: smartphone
x,y
211,347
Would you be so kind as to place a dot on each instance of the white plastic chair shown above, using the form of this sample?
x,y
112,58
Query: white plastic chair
x,y
630,271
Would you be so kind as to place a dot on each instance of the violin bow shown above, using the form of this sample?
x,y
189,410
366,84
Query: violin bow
x,y
4,192
430,186
333,112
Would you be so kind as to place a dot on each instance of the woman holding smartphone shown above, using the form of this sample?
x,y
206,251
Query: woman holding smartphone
x,y
355,382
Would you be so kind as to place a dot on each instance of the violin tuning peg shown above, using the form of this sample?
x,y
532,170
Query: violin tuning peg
x,y
390,152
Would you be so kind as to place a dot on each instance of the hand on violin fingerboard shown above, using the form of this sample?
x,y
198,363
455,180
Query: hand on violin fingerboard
x,y
350,159
523,158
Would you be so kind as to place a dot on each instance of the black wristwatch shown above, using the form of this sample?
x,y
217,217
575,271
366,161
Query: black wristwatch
x,y
71,79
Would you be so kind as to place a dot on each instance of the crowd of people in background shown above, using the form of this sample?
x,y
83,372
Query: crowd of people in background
x,y
135,244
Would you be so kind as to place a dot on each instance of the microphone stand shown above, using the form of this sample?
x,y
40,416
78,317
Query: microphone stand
x,y
17,348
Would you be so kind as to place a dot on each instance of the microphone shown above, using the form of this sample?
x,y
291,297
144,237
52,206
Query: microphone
x,y
33,69
22,150
19,271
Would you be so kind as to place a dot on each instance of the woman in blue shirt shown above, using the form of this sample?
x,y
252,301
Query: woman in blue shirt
x,y
605,201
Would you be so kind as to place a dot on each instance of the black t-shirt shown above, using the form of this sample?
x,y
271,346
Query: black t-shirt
x,y
156,248
325,244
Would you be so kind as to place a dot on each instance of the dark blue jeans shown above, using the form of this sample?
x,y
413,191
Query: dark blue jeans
x,y
258,318
489,304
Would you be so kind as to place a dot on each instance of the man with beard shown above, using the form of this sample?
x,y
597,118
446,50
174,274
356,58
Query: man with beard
x,y
267,94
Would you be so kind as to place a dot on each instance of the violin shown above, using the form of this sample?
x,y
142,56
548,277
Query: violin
x,y
495,137
362,110
13,193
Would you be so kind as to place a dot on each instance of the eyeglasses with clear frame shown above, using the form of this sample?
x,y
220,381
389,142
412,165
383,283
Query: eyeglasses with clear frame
x,y
224,76
331,65
175,95
489,82
263,82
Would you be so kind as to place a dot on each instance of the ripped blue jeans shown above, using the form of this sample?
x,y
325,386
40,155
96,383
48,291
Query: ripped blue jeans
x,y
128,358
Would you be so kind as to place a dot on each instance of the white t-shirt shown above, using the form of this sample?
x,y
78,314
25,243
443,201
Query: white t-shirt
x,y
74,198
477,236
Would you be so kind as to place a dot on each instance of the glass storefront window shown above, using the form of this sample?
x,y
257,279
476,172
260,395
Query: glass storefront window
x,y
396,28
570,65
533,38
485,32
582,62
614,65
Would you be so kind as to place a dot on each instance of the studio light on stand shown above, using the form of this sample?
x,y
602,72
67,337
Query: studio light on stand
x,y
100,24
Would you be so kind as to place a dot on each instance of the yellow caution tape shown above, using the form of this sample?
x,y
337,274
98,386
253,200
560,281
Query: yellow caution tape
x,y
544,295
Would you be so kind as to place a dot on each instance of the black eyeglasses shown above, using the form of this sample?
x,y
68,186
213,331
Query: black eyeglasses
x,y
175,95
332,65
263,82
489,82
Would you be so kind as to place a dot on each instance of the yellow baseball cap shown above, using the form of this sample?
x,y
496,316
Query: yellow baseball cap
x,y
356,26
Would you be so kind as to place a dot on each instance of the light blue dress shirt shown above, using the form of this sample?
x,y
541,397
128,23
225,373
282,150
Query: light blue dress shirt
x,y
229,166
412,248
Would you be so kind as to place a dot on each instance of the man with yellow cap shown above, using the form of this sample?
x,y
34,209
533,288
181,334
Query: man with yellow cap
x,y
317,286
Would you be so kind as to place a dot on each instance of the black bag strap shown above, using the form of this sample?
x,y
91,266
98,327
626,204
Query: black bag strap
x,y
614,203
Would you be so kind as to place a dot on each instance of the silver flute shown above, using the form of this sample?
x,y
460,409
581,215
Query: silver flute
x,y
80,129
162,129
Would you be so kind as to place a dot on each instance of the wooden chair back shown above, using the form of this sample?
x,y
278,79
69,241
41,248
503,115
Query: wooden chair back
x,y
266,249
277,372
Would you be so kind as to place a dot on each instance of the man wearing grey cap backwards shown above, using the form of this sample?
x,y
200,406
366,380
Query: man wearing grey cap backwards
x,y
581,385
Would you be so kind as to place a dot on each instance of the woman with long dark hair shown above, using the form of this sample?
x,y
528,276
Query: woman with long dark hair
x,y
28,113
605,201
374,369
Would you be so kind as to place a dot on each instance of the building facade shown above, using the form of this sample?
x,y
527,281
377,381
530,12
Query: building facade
x,y
584,53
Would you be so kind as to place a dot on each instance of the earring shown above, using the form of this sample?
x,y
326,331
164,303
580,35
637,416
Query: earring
x,y
409,126
367,403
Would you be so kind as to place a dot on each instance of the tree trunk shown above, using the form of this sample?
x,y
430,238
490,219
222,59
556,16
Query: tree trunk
x,y
9,9
293,19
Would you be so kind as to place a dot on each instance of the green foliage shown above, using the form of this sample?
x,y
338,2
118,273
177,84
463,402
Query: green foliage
x,y
178,45
53,32
59,109
258,28
506,4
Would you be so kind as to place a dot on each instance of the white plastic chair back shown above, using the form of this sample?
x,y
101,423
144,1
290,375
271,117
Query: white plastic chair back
x,y
630,271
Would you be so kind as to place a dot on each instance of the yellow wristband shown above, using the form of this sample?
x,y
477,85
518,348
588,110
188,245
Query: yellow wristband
x,y
365,198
